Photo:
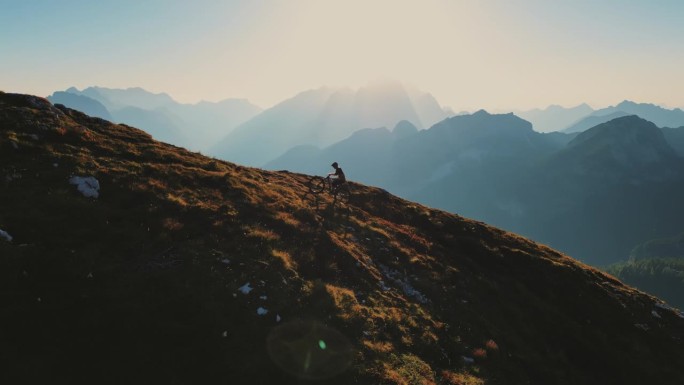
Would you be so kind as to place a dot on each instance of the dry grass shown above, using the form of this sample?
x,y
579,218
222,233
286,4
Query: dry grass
x,y
452,378
285,258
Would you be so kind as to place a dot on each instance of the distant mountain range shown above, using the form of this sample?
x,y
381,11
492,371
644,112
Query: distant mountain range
x,y
594,195
194,126
661,117
324,116
554,117
583,117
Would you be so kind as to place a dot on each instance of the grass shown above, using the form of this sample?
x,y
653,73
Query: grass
x,y
134,288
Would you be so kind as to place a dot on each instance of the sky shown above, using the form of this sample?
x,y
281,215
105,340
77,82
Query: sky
x,y
469,54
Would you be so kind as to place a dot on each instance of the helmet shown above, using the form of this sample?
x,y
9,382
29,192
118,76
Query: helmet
x,y
334,164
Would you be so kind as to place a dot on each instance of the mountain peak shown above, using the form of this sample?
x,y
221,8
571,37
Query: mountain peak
x,y
630,105
625,144
404,128
620,128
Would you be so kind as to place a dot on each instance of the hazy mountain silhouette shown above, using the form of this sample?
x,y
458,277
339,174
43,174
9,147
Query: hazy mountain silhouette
x,y
186,269
82,103
161,123
662,117
473,165
612,187
615,149
554,117
593,120
195,126
322,117
209,122
114,98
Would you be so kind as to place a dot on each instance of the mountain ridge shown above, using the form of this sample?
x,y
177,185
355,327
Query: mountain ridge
x,y
660,116
195,126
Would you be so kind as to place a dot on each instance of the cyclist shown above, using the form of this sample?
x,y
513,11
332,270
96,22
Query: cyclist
x,y
337,178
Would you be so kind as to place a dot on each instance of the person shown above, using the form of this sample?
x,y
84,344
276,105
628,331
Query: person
x,y
338,177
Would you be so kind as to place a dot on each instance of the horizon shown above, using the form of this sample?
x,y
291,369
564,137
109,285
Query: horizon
x,y
472,111
552,53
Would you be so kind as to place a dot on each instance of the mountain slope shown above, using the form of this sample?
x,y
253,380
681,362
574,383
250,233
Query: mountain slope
x,y
675,138
150,281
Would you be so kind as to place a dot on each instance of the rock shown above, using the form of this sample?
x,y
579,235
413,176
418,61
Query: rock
x,y
5,235
88,186
245,289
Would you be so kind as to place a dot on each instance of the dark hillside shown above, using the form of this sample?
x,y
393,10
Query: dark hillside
x,y
181,269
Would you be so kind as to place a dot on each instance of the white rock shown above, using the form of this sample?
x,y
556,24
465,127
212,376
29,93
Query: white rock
x,y
225,261
263,297
278,318
468,360
225,334
245,289
88,186
5,235
655,314
262,311
641,326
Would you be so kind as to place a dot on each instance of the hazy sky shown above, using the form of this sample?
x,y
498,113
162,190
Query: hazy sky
x,y
468,54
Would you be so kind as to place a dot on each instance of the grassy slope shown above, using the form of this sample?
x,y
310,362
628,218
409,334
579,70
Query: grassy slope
x,y
132,287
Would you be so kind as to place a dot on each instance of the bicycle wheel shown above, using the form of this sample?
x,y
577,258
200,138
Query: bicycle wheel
x,y
317,184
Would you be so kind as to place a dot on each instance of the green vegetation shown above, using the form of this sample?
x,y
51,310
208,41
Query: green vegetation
x,y
663,277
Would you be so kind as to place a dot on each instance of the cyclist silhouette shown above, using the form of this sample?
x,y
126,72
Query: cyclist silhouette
x,y
337,178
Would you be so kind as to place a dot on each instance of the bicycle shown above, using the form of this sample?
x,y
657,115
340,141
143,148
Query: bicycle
x,y
340,193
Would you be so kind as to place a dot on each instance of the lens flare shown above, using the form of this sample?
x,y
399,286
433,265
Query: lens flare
x,y
309,349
